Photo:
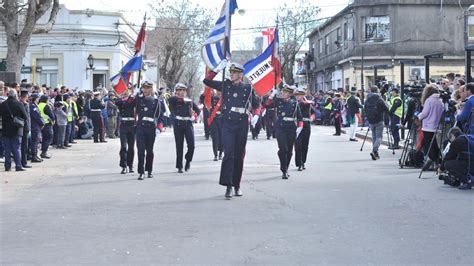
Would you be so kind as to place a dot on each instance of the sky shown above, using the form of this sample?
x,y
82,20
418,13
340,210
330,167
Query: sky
x,y
257,13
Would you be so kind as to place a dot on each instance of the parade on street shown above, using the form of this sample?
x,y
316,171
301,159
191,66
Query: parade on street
x,y
236,133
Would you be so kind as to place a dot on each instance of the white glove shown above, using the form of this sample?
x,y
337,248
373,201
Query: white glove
x,y
298,131
254,120
274,93
221,66
136,92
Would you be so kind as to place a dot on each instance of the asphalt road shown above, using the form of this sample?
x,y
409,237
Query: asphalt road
x,y
344,209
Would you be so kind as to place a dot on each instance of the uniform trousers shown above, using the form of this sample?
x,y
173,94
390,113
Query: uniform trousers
x,y
145,142
183,131
234,140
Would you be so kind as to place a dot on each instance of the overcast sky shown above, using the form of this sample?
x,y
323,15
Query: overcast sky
x,y
257,13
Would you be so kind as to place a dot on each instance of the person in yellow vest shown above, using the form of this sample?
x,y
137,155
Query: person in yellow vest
x,y
75,118
46,112
327,109
68,110
396,110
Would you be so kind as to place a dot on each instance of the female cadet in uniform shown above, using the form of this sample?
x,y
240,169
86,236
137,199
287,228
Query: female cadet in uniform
x,y
215,124
184,114
126,106
289,125
302,141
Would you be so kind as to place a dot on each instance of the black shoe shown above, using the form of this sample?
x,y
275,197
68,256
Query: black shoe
x,y
130,170
96,141
124,170
141,177
353,140
150,175
180,170
36,160
73,142
187,166
27,166
19,169
377,155
45,156
268,137
284,175
103,141
215,159
335,134
228,192
61,148
466,186
67,146
373,156
220,156
8,169
238,192
300,168
304,167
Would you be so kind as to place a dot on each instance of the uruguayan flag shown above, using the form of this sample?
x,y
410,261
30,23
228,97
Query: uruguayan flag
x,y
213,49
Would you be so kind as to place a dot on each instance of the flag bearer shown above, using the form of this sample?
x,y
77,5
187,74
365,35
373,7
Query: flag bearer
x,y
126,106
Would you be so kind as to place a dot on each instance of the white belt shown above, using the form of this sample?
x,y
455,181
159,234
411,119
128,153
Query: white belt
x,y
288,119
96,110
239,110
307,119
182,118
128,119
149,119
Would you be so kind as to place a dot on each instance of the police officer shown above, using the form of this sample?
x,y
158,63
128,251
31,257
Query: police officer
x,y
302,142
269,119
96,107
237,99
396,110
149,111
215,124
126,106
46,112
37,123
289,125
184,112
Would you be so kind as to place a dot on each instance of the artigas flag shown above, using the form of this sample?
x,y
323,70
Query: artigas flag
x,y
264,72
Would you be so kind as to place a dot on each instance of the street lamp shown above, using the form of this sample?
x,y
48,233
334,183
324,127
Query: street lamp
x,y
90,62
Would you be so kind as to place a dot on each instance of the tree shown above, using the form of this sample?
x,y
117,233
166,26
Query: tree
x,y
181,28
295,25
17,13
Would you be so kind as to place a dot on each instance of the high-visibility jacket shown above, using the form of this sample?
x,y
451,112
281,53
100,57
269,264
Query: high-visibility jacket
x,y
45,117
69,112
398,112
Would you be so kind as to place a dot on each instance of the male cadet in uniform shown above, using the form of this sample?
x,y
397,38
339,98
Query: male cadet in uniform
x,y
215,124
269,119
302,141
396,107
184,114
149,111
37,123
237,99
126,107
96,106
46,112
289,125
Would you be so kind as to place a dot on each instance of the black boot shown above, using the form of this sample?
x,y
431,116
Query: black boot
x,y
228,192
300,168
215,158
284,175
150,175
180,170
304,167
130,170
45,155
187,166
220,156
124,170
141,177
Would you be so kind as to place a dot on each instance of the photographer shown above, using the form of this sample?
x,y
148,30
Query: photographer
x,y
375,108
464,118
458,159
430,117
396,110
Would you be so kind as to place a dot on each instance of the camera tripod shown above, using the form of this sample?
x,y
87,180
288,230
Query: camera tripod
x,y
409,145
388,138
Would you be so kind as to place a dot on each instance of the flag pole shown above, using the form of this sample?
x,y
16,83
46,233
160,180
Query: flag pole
x,y
141,65
273,53
227,26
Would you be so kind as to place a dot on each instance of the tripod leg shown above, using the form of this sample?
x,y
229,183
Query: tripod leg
x,y
389,138
365,138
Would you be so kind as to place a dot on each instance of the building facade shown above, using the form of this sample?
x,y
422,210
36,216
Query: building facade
x,y
371,35
82,51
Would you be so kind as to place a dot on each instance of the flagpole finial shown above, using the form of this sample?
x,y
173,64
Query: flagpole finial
x,y
144,17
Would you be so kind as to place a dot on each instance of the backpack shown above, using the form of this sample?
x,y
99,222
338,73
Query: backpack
x,y
371,110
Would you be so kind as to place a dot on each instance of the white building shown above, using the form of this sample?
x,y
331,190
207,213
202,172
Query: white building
x,y
61,56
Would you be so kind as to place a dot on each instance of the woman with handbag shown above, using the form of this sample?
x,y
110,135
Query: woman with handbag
x,y
13,118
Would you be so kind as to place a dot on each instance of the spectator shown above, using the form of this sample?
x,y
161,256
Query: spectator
x,y
375,108
37,123
430,117
61,121
3,97
25,140
11,132
464,118
112,112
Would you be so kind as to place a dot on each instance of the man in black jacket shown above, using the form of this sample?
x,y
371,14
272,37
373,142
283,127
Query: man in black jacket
x,y
459,159
11,134
375,108
26,129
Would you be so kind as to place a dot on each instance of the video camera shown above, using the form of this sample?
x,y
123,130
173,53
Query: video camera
x,y
449,180
414,89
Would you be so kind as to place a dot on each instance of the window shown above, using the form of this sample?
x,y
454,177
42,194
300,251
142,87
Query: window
x,y
49,72
320,46
346,33
338,34
470,22
377,29
326,46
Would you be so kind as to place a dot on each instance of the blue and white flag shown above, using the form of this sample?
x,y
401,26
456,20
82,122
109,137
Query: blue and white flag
x,y
212,51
